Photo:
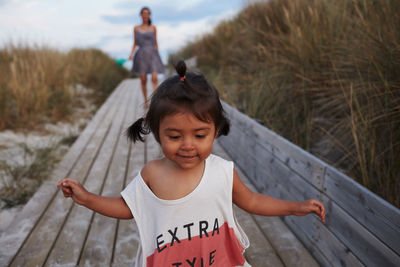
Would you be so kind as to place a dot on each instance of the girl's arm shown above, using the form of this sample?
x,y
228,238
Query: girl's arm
x,y
155,37
134,44
268,206
108,206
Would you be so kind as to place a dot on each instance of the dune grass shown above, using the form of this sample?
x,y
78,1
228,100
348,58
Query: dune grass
x,y
35,82
323,74
37,86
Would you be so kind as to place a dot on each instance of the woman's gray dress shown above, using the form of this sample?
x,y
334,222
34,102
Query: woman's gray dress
x,y
146,59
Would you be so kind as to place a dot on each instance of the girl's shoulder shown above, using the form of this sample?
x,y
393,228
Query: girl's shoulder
x,y
151,169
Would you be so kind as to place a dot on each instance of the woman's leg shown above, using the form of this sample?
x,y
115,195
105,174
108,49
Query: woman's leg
x,y
143,80
154,80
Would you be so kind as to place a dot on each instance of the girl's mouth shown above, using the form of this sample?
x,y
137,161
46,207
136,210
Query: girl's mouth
x,y
187,156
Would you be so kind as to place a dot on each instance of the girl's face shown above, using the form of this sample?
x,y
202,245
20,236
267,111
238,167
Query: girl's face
x,y
186,140
145,14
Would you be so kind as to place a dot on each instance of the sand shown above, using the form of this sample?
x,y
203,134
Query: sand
x,y
14,145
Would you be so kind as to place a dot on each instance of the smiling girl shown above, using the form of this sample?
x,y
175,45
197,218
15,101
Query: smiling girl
x,y
182,202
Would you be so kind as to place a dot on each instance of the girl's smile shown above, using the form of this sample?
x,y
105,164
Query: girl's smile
x,y
186,140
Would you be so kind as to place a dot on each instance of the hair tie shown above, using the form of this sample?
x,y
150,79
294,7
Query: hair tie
x,y
183,78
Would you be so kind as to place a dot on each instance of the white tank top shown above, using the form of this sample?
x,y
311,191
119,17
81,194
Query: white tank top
x,y
199,229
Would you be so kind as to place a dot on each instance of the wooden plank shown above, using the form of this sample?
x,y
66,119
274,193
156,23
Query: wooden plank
x,y
300,161
127,235
277,236
260,253
302,190
326,247
274,175
316,236
284,242
371,245
280,148
379,217
290,249
100,244
100,240
369,249
82,170
69,244
13,239
371,211
34,248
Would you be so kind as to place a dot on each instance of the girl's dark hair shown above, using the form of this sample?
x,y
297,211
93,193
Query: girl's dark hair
x,y
148,9
185,92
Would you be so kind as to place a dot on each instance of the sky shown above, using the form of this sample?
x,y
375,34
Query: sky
x,y
108,24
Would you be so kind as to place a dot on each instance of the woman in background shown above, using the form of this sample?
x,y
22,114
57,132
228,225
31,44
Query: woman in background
x,y
146,59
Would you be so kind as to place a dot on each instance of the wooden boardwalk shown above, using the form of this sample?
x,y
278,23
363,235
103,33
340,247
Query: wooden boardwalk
x,y
53,231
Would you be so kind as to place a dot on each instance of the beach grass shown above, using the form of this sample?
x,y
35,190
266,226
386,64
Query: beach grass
x,y
35,82
38,85
323,74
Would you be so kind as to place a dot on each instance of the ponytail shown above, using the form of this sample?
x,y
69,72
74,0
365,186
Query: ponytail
x,y
180,68
136,130
225,127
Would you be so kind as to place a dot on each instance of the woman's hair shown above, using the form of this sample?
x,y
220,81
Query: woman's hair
x,y
143,9
185,92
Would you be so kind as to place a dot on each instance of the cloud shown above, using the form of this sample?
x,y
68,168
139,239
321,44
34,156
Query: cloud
x,y
171,11
108,24
4,2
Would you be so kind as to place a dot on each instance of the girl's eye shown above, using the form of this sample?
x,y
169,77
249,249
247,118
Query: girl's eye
x,y
200,136
174,137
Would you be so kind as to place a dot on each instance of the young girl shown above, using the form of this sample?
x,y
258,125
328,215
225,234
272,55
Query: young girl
x,y
146,59
182,203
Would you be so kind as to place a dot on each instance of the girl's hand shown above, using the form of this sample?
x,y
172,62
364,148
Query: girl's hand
x,y
311,206
73,189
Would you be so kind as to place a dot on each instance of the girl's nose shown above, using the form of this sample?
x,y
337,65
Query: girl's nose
x,y
187,144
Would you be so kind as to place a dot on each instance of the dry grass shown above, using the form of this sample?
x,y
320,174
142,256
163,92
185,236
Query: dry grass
x,y
35,82
324,74
36,87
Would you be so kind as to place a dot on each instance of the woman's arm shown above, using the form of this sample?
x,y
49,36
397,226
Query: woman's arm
x,y
155,37
134,43
109,206
268,206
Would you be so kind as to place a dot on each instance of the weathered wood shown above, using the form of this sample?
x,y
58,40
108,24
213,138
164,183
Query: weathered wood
x,y
42,235
279,174
103,229
262,139
260,253
54,231
79,220
288,185
362,223
12,240
268,234
377,215
127,234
